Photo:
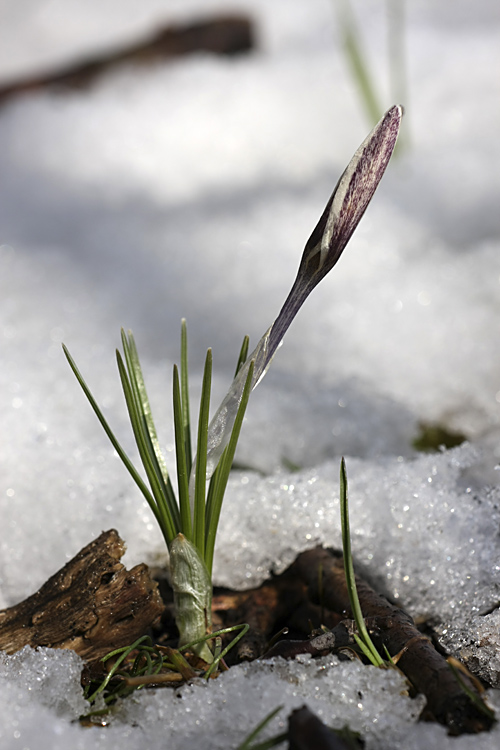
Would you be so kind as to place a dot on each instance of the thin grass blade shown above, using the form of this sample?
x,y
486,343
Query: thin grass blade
x,y
180,453
164,516
107,429
247,744
185,396
349,571
200,479
135,365
243,356
351,37
155,462
243,628
222,473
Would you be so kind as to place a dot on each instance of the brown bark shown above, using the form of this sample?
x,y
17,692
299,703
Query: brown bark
x,y
225,35
393,628
92,605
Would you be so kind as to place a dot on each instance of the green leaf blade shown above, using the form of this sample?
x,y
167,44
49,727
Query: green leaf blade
x,y
368,647
180,452
222,472
185,396
107,429
200,480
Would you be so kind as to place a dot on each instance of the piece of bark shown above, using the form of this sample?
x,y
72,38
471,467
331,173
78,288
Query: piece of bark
x,y
92,605
393,628
225,35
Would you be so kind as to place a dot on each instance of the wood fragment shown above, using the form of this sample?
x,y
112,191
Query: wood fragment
x,y
92,605
225,35
393,628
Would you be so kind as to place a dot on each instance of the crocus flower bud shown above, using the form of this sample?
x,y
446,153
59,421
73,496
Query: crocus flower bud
x,y
324,247
342,214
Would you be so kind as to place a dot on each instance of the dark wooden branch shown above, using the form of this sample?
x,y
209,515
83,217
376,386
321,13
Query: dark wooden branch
x,y
225,35
391,627
92,605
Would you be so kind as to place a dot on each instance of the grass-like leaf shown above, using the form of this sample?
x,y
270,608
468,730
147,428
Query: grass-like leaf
x,y
242,358
168,513
353,47
363,640
186,422
114,441
474,697
200,482
181,458
135,373
247,743
221,476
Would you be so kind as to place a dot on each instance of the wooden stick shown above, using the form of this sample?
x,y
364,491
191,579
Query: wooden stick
x,y
393,628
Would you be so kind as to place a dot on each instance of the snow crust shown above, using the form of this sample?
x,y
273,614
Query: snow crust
x,y
189,190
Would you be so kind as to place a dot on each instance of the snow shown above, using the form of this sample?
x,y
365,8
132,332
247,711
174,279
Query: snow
x,y
188,190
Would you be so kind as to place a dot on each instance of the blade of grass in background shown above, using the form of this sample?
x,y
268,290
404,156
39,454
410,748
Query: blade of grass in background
x,y
353,48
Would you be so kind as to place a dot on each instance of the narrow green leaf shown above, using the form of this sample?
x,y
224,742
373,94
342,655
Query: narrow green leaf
x,y
349,570
243,355
185,396
180,452
351,37
366,651
124,652
145,426
474,697
116,445
247,744
201,459
243,628
166,521
212,491
222,473
144,400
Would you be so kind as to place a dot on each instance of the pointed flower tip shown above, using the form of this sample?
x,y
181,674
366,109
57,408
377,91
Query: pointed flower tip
x,y
351,197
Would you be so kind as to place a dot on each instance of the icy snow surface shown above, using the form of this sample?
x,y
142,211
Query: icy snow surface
x,y
188,190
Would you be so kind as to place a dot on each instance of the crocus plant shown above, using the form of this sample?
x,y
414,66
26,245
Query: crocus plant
x,y
189,520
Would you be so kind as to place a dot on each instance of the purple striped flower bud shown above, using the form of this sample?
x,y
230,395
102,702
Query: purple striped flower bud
x,y
340,218
324,247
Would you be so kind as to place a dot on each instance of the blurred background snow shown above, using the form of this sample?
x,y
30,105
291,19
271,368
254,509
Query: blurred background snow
x,y
188,188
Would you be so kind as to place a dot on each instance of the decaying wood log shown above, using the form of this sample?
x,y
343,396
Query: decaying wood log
x,y
225,35
91,606
391,627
